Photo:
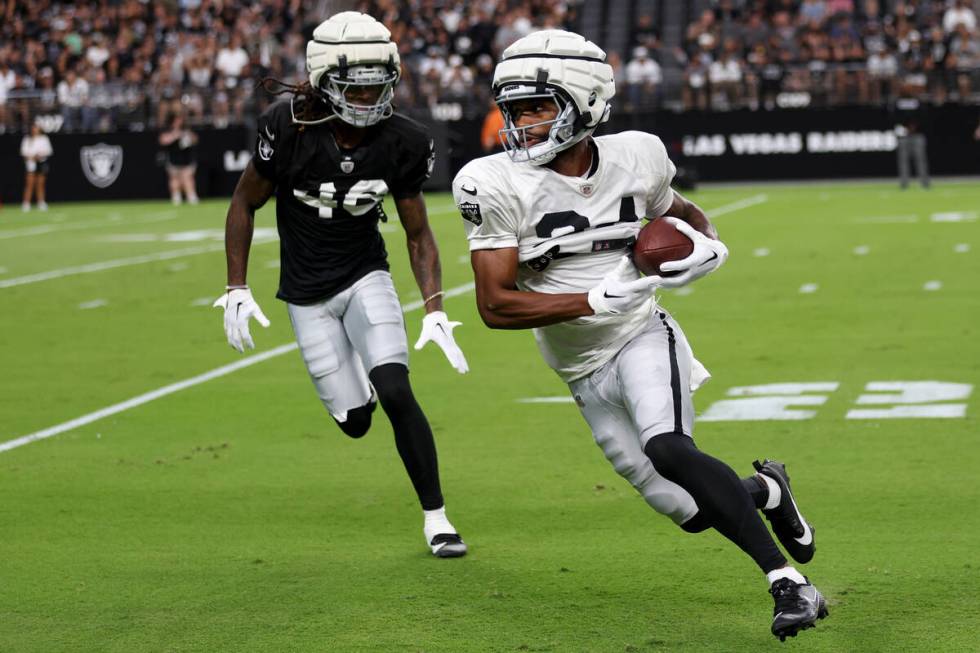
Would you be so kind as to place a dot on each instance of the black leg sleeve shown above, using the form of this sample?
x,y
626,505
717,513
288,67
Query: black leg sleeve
x,y
719,493
413,437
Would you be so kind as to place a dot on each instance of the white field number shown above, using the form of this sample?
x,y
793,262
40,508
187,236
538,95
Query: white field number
x,y
773,401
794,401
904,399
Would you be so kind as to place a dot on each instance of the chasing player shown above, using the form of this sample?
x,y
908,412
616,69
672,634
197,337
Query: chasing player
x,y
330,155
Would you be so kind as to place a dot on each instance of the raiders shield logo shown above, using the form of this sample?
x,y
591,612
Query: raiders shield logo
x,y
347,166
265,148
101,163
471,212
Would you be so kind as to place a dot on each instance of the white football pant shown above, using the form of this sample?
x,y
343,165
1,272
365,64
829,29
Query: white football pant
x,y
346,336
642,392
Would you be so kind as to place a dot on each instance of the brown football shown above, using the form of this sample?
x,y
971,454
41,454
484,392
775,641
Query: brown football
x,y
658,243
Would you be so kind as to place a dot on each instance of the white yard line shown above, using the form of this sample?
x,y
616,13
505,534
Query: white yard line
x,y
182,385
116,263
543,400
113,220
761,198
888,219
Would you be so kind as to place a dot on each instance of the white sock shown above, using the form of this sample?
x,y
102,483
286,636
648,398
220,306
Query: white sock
x,y
175,199
786,572
436,523
775,494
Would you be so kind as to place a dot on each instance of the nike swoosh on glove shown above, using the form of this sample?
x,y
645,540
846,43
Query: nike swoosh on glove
x,y
708,255
619,292
437,328
239,307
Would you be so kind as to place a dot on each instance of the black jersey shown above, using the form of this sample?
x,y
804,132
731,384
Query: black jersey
x,y
329,199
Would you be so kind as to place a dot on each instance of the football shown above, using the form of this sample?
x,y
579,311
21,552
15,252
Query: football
x,y
658,243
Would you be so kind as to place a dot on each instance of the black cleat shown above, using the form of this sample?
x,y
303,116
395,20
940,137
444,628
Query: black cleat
x,y
797,607
793,531
448,545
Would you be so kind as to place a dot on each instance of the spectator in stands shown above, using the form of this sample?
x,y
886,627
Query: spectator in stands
x,y
483,79
933,64
232,61
704,30
959,14
180,146
882,72
783,33
456,79
838,7
764,78
97,54
221,105
47,100
813,12
433,61
963,60
645,34
98,113
35,149
643,79
695,93
132,111
72,95
725,77
755,31
508,31
850,69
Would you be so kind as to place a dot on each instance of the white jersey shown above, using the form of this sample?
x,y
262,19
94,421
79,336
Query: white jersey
x,y
569,232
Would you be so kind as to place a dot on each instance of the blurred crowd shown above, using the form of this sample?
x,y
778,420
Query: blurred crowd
x,y
130,64
764,53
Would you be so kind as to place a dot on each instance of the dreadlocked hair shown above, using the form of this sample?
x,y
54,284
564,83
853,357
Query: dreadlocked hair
x,y
309,98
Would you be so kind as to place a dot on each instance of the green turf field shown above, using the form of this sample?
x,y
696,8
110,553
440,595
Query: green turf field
x,y
234,516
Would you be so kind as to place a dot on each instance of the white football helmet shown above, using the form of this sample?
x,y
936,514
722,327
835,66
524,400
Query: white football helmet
x,y
559,66
350,50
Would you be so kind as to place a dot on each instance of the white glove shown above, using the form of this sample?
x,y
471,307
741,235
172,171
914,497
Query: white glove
x,y
437,328
239,307
615,295
708,255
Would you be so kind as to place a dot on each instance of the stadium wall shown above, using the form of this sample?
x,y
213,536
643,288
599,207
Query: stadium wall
x,y
730,146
